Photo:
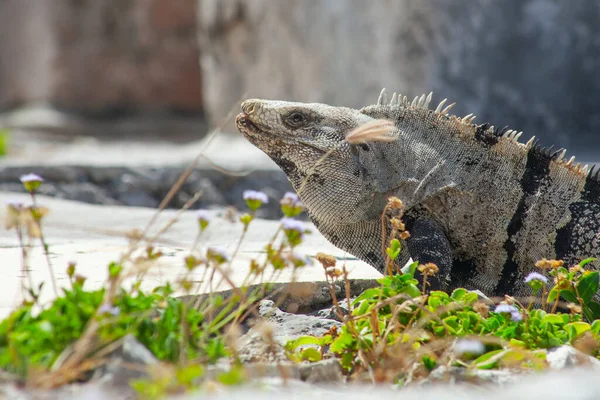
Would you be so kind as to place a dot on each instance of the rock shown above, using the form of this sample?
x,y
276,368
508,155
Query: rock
x,y
325,372
86,192
457,375
281,327
567,357
127,362
461,50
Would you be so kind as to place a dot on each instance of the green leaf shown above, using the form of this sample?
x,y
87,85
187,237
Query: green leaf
x,y
3,142
588,285
587,261
458,294
592,310
595,328
574,329
489,360
412,291
342,342
569,296
187,375
429,363
234,376
554,319
302,341
311,354
553,295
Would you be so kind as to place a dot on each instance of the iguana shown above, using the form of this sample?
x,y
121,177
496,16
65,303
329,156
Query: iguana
x,y
481,205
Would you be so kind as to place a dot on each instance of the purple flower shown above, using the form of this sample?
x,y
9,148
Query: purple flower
x,y
290,196
108,309
469,346
31,182
31,178
291,224
514,312
256,195
535,276
203,215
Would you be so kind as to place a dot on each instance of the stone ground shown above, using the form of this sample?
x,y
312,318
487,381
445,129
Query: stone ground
x,y
92,236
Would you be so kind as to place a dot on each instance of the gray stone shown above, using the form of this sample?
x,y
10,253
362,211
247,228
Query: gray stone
x,y
129,361
323,372
102,58
86,192
456,375
510,63
567,357
280,327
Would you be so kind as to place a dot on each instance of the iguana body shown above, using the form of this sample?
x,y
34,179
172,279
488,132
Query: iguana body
x,y
480,205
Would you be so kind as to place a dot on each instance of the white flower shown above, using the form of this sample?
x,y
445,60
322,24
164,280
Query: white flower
x,y
514,312
256,195
535,276
31,178
203,215
291,224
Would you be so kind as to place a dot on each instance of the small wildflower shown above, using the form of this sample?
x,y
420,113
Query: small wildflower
x,y
192,262
535,276
428,269
290,198
468,346
218,254
203,217
15,205
549,264
291,204
576,268
294,230
395,203
326,260
14,216
108,309
397,224
482,309
574,308
31,182
405,235
71,269
292,224
515,314
255,199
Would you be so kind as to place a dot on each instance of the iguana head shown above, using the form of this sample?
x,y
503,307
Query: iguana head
x,y
297,136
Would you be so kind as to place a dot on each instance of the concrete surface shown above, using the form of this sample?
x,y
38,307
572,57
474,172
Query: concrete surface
x,y
92,236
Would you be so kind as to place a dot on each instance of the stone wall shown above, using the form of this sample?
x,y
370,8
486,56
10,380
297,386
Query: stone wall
x,y
100,57
529,64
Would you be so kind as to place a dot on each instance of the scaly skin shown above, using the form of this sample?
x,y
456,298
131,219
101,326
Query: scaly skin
x,y
479,204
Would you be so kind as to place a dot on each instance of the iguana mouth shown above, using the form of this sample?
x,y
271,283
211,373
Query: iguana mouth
x,y
244,124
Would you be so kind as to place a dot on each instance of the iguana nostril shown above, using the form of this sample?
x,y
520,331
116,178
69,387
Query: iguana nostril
x,y
249,106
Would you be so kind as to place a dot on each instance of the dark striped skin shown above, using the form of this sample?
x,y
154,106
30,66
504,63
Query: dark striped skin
x,y
481,205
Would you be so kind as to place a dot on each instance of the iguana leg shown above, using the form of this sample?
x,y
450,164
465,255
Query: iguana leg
x,y
428,243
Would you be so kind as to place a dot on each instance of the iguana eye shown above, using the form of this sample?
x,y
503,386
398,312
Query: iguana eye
x,y
295,119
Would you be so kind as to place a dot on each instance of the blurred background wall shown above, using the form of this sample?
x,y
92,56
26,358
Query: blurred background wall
x,y
530,64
